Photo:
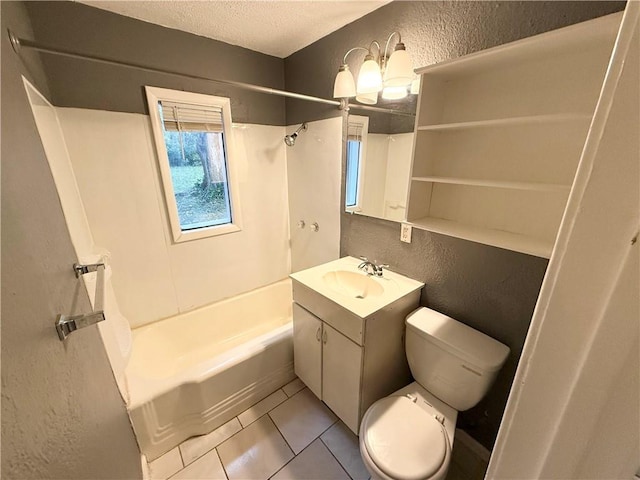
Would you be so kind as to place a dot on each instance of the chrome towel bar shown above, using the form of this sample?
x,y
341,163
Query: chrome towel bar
x,y
65,324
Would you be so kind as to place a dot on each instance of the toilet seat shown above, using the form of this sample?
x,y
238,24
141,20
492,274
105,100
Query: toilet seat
x,y
403,440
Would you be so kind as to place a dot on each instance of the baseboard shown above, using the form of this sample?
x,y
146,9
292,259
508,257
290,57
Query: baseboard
x,y
472,444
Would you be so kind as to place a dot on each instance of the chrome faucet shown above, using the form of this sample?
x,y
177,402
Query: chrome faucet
x,y
370,268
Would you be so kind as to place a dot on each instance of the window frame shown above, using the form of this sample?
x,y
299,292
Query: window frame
x,y
363,123
156,94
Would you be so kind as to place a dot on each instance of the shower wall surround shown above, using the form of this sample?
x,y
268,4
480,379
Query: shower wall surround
x,y
490,289
313,169
117,171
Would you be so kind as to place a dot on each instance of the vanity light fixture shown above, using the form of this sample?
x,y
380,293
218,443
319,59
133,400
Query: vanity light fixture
x,y
394,93
368,98
392,74
369,77
344,86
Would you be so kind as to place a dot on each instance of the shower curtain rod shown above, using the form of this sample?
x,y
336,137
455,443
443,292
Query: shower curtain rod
x,y
18,43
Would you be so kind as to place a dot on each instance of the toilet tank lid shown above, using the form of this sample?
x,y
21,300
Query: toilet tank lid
x,y
459,339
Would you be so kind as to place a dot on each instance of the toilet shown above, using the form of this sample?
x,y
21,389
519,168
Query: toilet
x,y
409,434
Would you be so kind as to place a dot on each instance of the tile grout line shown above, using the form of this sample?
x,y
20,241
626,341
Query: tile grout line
x,y
276,425
314,438
226,474
254,404
297,391
331,453
294,455
265,413
268,413
226,439
181,457
283,437
241,429
216,445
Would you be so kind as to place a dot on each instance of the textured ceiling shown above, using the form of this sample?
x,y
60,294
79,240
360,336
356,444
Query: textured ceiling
x,y
277,28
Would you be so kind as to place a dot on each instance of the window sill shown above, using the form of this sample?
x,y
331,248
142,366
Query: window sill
x,y
188,235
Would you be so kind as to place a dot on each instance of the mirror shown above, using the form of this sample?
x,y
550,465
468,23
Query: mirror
x,y
379,149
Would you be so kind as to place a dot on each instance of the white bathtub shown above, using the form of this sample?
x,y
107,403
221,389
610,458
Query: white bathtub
x,y
191,373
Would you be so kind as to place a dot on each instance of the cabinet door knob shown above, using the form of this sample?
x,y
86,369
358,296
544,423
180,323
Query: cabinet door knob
x,y
318,333
324,337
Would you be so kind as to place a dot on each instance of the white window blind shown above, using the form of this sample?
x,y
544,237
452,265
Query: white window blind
x,y
188,118
355,132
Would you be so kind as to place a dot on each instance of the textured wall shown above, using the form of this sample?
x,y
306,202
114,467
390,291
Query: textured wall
x,y
62,414
432,32
488,288
83,84
491,289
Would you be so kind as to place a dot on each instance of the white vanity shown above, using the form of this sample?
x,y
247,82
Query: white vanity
x,y
349,334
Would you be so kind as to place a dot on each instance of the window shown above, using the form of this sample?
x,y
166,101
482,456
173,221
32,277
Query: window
x,y
356,148
193,139
353,170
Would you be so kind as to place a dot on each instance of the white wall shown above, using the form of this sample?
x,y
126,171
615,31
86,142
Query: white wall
x,y
398,172
573,410
314,167
115,332
117,171
374,171
387,168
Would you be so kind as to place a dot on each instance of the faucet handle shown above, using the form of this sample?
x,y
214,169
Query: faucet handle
x,y
364,259
380,269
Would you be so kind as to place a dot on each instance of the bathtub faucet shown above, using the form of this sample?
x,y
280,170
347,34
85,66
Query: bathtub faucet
x,y
370,268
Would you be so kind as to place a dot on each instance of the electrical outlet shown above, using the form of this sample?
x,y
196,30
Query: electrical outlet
x,y
405,233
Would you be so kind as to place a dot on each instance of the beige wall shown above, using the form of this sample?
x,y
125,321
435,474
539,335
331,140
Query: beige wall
x,y
62,415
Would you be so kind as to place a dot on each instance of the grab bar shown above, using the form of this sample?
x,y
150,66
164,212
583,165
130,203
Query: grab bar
x,y
65,324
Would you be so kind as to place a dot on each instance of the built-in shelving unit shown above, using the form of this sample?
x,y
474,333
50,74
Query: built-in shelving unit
x,y
499,135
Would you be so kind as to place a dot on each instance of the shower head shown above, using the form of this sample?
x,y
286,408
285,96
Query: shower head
x,y
290,140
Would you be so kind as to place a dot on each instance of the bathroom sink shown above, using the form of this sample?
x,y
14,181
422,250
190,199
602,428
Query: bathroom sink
x,y
352,284
341,282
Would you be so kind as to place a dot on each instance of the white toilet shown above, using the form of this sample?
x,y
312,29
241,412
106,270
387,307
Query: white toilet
x,y
409,434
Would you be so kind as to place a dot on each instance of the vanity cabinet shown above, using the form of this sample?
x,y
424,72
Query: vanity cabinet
x,y
499,134
346,359
307,348
328,363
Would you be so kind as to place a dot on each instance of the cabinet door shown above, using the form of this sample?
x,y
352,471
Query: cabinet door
x,y
341,372
307,349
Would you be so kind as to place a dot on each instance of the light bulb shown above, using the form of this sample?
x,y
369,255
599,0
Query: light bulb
x,y
367,98
394,93
369,78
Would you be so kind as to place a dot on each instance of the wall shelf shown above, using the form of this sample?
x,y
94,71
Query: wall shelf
x,y
487,236
533,186
499,135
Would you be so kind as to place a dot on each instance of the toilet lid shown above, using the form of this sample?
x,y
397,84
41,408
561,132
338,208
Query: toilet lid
x,y
403,440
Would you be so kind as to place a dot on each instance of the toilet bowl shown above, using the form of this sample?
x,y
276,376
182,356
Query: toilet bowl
x,y
397,430
409,434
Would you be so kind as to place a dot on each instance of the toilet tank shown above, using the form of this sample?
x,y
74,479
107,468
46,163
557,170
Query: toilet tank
x,y
453,361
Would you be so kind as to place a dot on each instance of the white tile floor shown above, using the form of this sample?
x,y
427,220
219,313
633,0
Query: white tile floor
x,y
288,435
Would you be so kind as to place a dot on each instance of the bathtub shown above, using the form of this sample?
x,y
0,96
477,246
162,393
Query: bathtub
x,y
191,373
